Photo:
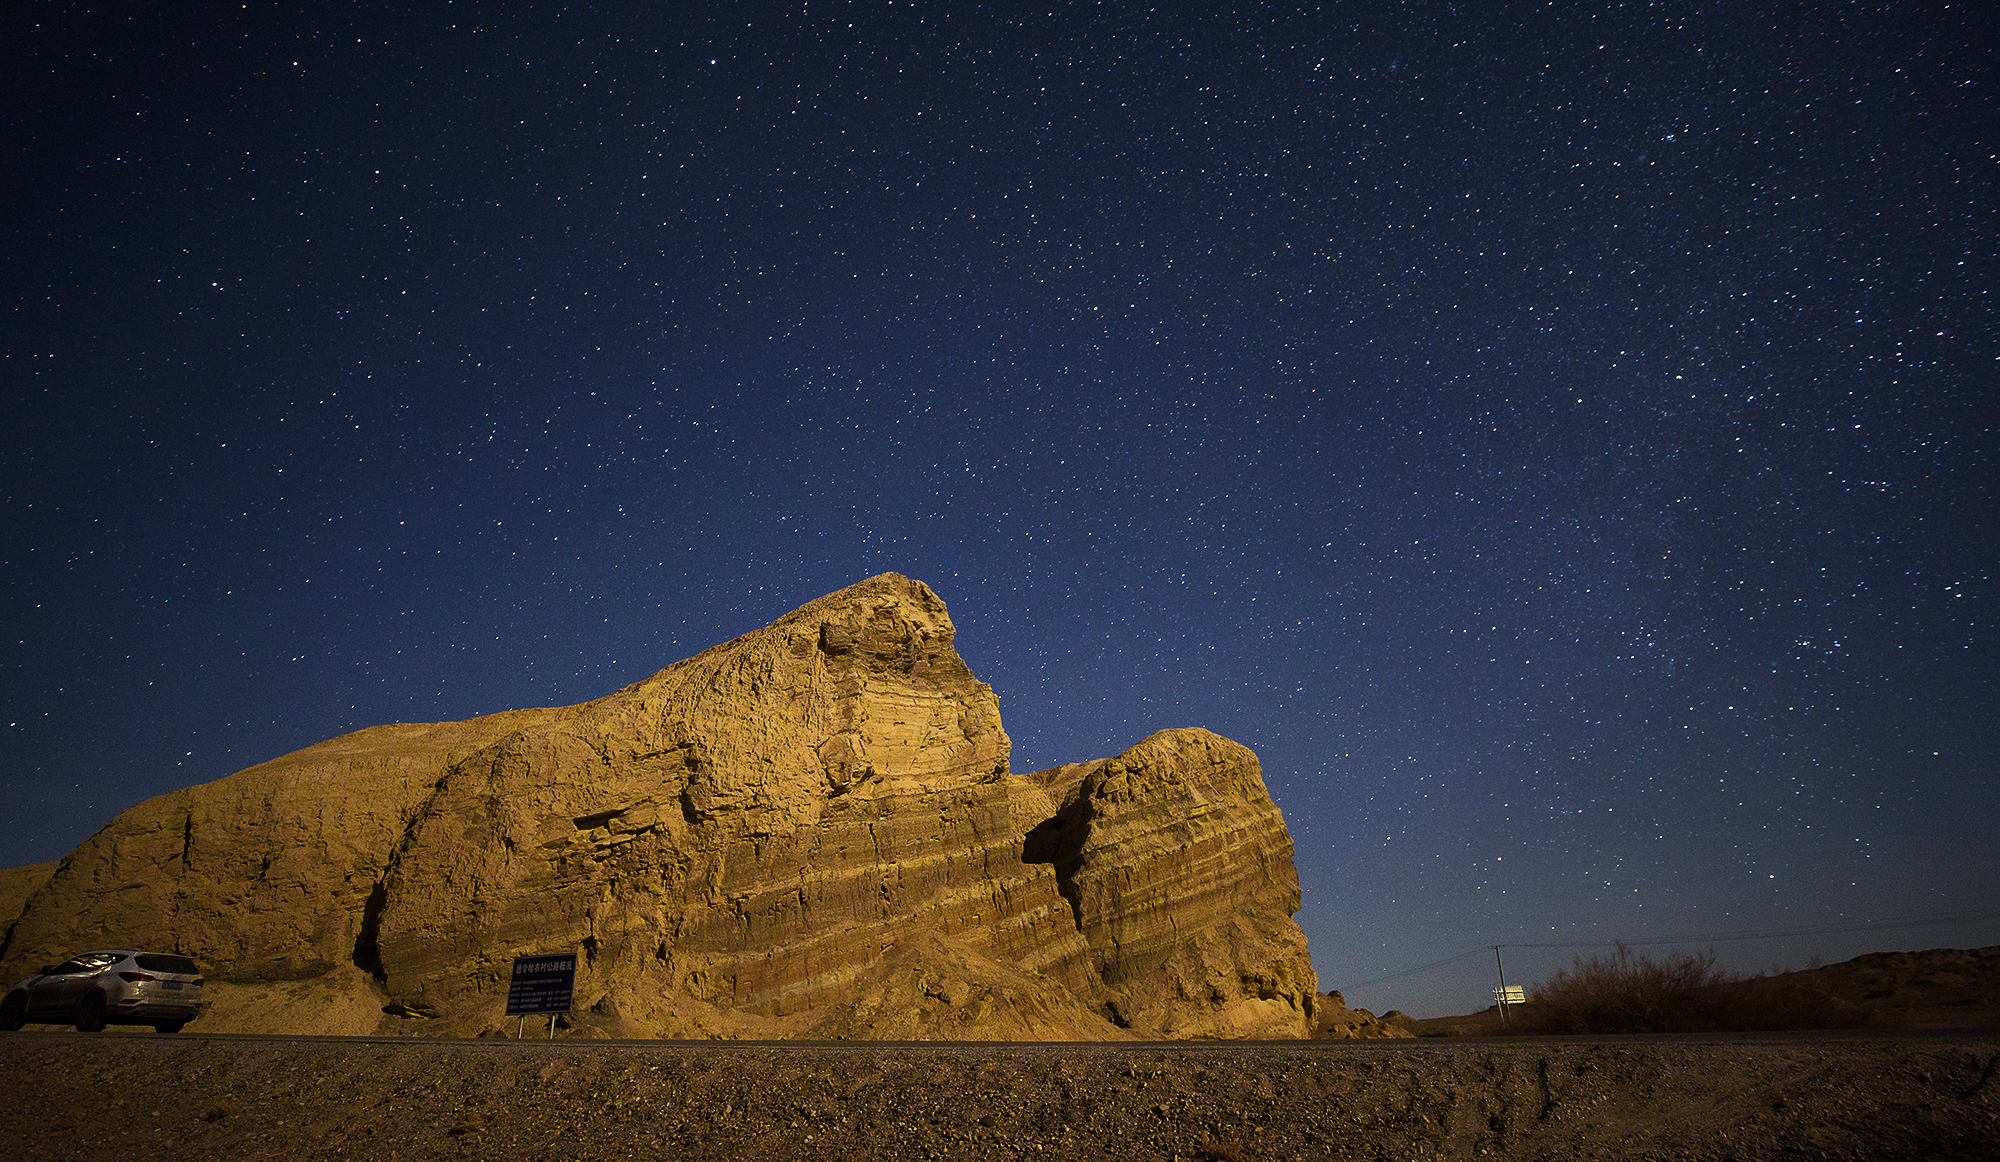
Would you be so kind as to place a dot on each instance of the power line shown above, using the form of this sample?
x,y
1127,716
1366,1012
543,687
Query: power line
x,y
1776,933
1420,968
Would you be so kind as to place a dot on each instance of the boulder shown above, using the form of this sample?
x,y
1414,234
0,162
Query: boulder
x,y
811,830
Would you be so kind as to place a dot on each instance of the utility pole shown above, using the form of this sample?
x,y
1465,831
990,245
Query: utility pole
x,y
1500,998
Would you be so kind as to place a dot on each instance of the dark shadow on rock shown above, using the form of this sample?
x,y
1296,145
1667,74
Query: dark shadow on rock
x,y
1059,842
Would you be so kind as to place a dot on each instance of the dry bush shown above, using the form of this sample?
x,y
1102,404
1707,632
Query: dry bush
x,y
1627,994
1685,993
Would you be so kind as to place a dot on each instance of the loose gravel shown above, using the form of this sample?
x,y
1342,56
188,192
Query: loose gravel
x,y
71,1096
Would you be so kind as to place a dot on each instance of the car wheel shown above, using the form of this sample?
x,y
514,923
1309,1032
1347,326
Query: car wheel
x,y
168,1026
90,1013
13,1012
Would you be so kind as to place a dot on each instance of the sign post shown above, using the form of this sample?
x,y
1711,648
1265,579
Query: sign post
x,y
1503,994
541,984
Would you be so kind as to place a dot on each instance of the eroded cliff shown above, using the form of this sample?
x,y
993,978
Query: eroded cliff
x,y
810,830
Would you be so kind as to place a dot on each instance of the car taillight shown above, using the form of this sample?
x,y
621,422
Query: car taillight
x,y
135,977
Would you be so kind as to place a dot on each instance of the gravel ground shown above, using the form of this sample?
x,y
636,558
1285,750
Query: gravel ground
x,y
72,1096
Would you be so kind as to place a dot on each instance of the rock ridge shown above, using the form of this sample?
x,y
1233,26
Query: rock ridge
x,y
809,830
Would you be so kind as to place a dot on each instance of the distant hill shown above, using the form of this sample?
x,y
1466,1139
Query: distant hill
x,y
1940,988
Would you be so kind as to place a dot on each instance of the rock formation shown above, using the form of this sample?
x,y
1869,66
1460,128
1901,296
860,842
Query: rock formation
x,y
1176,864
16,885
809,831
1334,1021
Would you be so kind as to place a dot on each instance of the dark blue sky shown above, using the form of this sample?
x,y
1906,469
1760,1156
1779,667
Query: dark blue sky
x,y
1558,439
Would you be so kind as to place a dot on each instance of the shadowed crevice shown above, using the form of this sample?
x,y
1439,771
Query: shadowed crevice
x,y
368,945
1058,842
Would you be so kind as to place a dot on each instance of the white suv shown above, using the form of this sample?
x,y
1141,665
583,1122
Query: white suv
x,y
109,987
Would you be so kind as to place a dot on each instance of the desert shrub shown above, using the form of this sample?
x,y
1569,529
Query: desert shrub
x,y
1685,993
1623,993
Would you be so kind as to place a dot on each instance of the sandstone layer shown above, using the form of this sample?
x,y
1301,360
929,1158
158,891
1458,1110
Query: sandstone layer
x,y
812,830
1158,851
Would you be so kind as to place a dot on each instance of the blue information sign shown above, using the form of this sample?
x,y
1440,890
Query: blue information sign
x,y
541,984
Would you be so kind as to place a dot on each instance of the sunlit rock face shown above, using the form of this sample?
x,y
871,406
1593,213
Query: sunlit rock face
x,y
809,830
1179,870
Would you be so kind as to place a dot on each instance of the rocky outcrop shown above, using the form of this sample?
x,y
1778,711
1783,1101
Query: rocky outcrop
x,y
16,885
1334,1021
1179,870
810,830
264,875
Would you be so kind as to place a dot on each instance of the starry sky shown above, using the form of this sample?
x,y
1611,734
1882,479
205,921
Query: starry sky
x,y
1558,438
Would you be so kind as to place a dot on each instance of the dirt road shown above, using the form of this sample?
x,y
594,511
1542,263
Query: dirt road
x,y
69,1096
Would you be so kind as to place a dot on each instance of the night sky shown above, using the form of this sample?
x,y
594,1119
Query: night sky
x,y
1559,439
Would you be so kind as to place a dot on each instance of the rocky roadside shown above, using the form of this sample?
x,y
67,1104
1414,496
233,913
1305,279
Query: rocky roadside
x,y
78,1097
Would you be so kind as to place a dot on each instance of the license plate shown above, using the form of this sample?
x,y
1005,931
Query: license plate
x,y
170,985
